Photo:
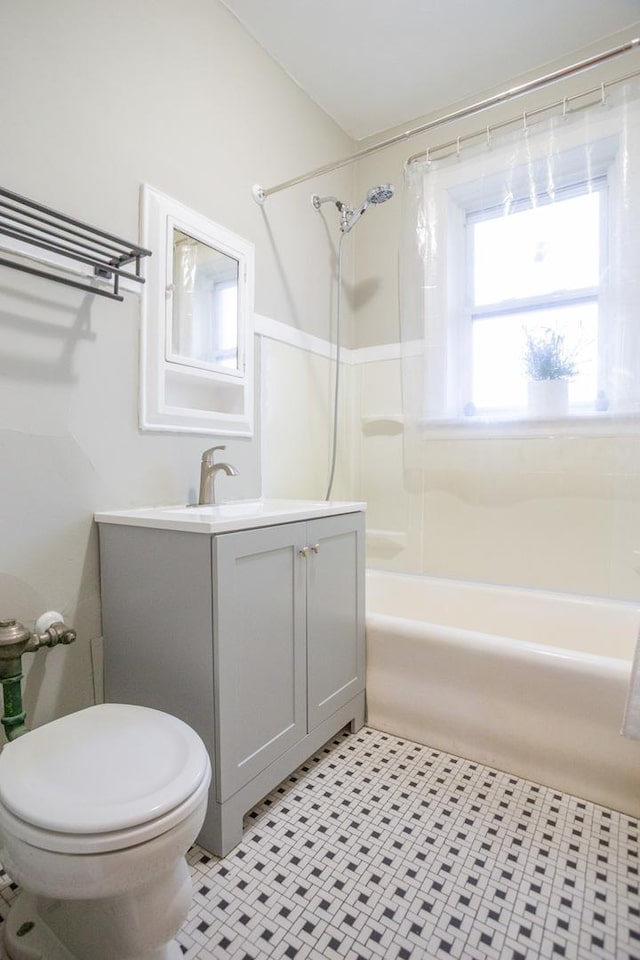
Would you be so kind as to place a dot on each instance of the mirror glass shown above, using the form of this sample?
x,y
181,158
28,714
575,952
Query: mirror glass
x,y
203,320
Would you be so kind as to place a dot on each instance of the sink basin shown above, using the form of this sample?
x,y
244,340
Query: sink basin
x,y
228,516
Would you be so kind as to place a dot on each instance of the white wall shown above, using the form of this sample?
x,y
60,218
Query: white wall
x,y
98,99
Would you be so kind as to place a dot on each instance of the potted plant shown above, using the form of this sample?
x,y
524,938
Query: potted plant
x,y
549,366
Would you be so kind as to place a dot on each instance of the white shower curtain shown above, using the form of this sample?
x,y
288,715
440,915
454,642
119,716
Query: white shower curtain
x,y
631,722
453,358
465,320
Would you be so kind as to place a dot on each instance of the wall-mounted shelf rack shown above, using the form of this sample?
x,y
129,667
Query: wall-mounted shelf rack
x,y
39,228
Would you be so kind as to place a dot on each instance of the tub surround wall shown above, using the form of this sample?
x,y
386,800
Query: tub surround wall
x,y
555,513
299,392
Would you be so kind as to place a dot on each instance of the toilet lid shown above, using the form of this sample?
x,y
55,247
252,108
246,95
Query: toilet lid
x,y
102,769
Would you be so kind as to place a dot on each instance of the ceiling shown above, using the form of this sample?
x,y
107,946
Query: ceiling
x,y
376,64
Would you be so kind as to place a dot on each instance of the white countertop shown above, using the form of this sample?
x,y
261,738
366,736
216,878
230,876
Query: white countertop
x,y
228,516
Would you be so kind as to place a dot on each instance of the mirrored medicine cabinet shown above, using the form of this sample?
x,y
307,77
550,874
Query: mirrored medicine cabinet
x,y
197,323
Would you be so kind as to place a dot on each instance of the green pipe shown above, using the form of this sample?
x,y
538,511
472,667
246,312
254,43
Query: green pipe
x,y
13,719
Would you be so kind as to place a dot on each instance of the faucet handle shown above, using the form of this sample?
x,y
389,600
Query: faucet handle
x,y
209,455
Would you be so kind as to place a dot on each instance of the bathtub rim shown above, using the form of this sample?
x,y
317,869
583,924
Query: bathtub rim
x,y
581,604
513,589
496,643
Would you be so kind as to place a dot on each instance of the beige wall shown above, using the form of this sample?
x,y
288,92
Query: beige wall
x,y
98,99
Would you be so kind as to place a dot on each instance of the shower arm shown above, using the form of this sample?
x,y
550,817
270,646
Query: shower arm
x,y
317,201
346,210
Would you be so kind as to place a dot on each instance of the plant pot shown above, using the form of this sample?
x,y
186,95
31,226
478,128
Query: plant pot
x,y
548,398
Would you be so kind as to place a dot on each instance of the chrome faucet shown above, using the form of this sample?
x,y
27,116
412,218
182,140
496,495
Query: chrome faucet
x,y
208,472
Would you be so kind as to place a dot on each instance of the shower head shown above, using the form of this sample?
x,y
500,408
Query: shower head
x,y
379,194
375,195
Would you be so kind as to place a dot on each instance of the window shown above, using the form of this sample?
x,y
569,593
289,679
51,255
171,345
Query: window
x,y
528,232
533,272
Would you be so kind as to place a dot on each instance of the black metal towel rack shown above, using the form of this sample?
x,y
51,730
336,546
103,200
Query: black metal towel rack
x,y
45,229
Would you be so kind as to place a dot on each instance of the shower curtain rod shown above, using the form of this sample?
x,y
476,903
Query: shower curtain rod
x,y
260,194
453,146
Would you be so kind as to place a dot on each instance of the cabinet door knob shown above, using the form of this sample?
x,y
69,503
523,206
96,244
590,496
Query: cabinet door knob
x,y
304,552
316,548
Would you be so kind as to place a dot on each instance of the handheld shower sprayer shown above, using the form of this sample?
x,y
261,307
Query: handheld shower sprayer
x,y
348,219
349,216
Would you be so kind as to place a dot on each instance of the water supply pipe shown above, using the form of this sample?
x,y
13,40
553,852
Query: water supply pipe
x,y
15,640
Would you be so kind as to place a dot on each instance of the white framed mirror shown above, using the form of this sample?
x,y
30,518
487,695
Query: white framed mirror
x,y
197,323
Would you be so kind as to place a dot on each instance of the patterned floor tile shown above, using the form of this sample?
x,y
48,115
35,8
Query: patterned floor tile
x,y
382,848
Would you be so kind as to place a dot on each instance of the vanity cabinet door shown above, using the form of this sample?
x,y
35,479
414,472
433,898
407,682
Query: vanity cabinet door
x,y
335,614
259,649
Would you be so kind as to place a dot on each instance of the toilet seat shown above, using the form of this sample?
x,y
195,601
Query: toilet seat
x,y
109,842
102,779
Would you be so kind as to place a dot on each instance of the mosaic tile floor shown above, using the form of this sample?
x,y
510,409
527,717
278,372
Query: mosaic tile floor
x,y
381,848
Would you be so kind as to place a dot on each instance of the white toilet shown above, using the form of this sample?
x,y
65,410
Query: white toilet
x,y
97,811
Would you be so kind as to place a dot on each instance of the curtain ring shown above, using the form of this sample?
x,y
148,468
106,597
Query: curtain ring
x,y
524,120
427,158
602,94
488,136
564,107
458,147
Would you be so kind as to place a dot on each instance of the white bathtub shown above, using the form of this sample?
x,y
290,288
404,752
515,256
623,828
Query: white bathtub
x,y
526,681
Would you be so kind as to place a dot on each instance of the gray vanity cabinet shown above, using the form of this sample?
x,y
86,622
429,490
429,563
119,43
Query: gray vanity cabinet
x,y
260,658
288,617
335,615
255,638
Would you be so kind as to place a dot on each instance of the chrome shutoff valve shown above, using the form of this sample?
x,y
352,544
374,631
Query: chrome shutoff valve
x,y
50,630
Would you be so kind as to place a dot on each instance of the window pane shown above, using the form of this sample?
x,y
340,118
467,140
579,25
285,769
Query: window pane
x,y
499,378
537,251
226,296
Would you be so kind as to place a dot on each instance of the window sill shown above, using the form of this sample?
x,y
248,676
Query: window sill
x,y
581,424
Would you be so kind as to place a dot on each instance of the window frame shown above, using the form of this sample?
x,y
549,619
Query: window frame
x,y
454,184
532,304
